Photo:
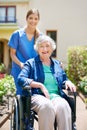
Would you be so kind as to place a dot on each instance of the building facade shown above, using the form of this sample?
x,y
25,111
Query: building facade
x,y
64,20
12,17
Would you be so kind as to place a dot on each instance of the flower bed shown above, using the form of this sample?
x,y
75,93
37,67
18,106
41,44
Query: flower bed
x,y
2,75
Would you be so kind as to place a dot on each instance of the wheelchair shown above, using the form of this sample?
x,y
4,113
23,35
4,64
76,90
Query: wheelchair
x,y
22,117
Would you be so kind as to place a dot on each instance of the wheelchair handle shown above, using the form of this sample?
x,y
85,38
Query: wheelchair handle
x,y
27,88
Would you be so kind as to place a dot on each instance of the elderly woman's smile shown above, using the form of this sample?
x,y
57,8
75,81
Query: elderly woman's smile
x,y
45,46
45,49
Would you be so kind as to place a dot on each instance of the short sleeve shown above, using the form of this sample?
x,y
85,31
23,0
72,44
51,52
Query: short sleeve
x,y
14,39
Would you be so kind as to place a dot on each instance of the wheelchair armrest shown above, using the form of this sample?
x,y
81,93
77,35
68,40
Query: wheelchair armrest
x,y
28,89
70,97
72,93
69,92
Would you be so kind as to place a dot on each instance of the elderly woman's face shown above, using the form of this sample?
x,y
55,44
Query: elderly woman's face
x,y
45,50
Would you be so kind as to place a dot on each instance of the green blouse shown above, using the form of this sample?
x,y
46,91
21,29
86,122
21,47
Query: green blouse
x,y
50,82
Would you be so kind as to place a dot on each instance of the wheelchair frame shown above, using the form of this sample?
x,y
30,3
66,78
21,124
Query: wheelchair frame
x,y
17,114
22,117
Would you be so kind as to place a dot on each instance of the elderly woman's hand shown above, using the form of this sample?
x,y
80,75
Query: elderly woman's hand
x,y
70,85
45,91
35,84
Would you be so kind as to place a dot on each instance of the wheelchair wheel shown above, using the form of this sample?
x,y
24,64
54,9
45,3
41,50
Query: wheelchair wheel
x,y
16,122
14,116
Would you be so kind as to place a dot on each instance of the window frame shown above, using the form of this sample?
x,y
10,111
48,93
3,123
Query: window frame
x,y
6,13
51,31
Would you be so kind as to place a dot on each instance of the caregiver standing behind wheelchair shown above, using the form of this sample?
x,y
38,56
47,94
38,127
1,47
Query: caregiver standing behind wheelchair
x,y
45,77
22,44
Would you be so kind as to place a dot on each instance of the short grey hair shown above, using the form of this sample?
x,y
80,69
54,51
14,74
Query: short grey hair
x,y
44,38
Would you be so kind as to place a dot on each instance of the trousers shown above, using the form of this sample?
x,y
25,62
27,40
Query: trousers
x,y
49,110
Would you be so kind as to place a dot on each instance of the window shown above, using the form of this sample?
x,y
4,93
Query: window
x,y
53,35
7,14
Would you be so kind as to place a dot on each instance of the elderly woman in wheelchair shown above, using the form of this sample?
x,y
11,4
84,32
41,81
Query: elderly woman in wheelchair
x,y
46,78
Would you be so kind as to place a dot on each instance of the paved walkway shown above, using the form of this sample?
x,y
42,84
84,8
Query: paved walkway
x,y
81,117
81,120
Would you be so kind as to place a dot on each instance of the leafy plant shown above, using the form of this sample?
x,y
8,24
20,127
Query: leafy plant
x,y
7,86
2,68
83,85
77,63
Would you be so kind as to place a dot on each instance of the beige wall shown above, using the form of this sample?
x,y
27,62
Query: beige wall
x,y
68,17
21,13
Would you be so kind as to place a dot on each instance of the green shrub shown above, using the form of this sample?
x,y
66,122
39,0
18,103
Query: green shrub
x,y
77,63
2,68
7,86
83,85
